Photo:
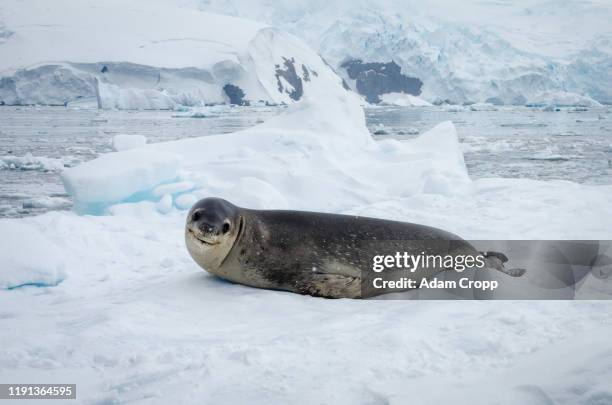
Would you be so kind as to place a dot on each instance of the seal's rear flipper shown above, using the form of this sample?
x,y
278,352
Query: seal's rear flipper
x,y
496,260
329,285
515,272
502,257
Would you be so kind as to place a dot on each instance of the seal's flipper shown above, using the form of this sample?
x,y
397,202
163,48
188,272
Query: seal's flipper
x,y
496,261
515,272
331,285
502,257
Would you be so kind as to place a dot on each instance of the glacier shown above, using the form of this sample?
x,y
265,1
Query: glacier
x,y
153,56
503,53
533,52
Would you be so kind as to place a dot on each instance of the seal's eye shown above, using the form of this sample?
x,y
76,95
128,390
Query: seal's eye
x,y
196,215
226,227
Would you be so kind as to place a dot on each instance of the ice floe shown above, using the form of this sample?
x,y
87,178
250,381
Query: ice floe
x,y
124,142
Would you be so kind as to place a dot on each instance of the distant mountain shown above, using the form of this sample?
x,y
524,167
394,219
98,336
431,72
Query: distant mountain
x,y
475,51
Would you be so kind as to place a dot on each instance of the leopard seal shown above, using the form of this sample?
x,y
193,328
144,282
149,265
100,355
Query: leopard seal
x,y
319,254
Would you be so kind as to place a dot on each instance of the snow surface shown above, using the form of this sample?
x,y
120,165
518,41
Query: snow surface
x,y
134,319
28,257
154,55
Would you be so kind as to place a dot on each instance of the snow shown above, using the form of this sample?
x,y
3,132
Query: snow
x,y
28,257
173,188
129,317
135,319
164,205
404,100
185,201
124,142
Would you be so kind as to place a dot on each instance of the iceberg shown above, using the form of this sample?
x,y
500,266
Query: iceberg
x,y
310,154
562,99
124,142
117,176
404,100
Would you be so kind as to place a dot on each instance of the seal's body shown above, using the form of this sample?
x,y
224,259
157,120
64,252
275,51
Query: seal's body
x,y
311,253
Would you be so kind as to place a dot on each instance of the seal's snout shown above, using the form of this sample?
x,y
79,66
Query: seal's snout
x,y
207,228
203,223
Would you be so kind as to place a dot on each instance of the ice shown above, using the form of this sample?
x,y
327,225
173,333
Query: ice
x,y
563,98
482,107
116,176
124,142
185,201
28,258
173,188
280,163
404,100
112,96
30,162
164,206
47,202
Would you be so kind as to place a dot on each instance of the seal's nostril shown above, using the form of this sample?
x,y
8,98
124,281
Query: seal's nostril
x,y
226,227
196,216
206,228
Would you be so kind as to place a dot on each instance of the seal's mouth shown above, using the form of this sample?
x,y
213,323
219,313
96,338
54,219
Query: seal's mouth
x,y
202,239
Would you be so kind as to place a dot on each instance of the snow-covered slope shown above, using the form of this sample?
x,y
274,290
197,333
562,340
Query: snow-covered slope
x,y
473,51
147,55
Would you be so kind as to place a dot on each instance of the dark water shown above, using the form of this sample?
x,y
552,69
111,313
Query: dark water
x,y
570,144
36,143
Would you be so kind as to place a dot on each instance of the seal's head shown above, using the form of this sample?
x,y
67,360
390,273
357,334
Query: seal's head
x,y
212,227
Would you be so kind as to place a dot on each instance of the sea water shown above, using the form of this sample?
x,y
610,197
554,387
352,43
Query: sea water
x,y
37,143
